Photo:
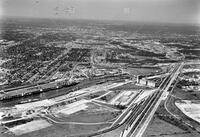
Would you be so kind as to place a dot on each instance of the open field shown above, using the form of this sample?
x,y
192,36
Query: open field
x,y
160,128
93,113
65,130
172,108
164,114
190,108
90,118
72,108
56,130
29,127
114,133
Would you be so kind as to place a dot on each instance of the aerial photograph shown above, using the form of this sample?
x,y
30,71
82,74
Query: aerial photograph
x,y
99,68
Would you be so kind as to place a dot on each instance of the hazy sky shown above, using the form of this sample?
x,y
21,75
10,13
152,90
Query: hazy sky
x,y
173,11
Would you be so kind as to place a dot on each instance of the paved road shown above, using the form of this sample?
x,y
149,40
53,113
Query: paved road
x,y
138,127
138,115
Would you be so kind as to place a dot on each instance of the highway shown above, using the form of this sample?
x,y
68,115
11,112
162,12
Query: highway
x,y
138,115
36,90
137,126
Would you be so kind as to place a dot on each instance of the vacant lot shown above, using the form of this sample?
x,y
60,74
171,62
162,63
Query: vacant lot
x,y
160,128
190,108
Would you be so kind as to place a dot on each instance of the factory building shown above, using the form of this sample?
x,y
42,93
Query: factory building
x,y
145,82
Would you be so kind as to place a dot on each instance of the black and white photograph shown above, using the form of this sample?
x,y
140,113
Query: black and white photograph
x,y
99,68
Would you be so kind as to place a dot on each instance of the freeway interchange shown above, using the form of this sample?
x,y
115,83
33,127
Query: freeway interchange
x,y
138,114
150,105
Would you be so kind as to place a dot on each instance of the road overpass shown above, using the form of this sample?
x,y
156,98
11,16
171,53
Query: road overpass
x,y
137,126
138,115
